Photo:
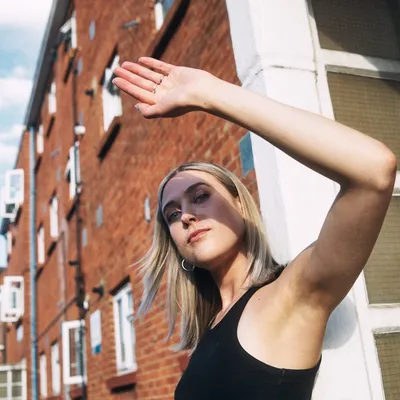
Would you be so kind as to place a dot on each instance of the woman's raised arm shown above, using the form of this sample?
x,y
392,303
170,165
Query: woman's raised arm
x,y
364,167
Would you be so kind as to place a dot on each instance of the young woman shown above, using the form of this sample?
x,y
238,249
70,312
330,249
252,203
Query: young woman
x,y
254,336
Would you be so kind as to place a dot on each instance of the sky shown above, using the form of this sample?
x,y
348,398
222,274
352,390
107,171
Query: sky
x,y
22,25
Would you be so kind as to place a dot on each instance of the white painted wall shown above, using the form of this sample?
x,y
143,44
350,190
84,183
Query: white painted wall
x,y
275,54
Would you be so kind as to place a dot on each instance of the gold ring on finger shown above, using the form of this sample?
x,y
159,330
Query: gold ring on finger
x,y
161,79
155,88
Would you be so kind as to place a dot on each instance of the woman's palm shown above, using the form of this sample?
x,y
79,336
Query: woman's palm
x,y
163,90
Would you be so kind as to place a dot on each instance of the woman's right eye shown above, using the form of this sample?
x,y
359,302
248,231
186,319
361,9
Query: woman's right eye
x,y
173,216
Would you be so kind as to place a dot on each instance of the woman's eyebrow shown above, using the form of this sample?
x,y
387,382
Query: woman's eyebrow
x,y
190,189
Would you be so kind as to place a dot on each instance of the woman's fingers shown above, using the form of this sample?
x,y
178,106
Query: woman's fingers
x,y
157,65
134,79
142,95
143,72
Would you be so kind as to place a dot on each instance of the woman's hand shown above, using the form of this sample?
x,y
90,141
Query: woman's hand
x,y
163,90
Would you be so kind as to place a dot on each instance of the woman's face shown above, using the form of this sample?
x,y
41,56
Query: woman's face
x,y
204,219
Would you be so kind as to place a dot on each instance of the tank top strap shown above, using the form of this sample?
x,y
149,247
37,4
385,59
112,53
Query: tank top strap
x,y
232,317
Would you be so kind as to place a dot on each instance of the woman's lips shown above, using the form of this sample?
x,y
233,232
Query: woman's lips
x,y
197,235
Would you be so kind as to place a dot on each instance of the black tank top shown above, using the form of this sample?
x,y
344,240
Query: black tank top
x,y
220,368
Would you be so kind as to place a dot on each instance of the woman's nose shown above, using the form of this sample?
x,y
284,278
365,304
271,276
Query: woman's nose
x,y
188,216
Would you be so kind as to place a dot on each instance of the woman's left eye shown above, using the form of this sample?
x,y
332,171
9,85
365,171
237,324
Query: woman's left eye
x,y
201,198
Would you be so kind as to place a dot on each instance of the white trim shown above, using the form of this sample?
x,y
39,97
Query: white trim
x,y
54,217
55,369
385,320
340,61
52,99
41,249
40,140
66,328
12,291
12,195
43,375
127,364
9,239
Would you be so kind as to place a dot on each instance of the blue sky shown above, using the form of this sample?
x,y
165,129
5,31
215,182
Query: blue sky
x,y
22,24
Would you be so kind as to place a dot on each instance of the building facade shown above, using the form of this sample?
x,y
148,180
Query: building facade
x,y
90,184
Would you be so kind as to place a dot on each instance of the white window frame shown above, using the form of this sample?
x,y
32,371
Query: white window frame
x,y
9,384
40,140
68,326
54,217
69,30
7,210
55,369
128,331
20,332
12,289
12,196
73,170
373,318
112,104
41,249
43,375
160,13
9,238
52,99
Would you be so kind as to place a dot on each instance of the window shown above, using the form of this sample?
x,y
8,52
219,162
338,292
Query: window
x,y
7,210
68,31
14,184
161,8
12,299
40,246
43,375
54,217
20,332
358,81
13,381
55,369
9,242
73,370
40,140
52,98
125,337
112,105
73,172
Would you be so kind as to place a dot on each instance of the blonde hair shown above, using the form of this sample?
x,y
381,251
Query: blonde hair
x,y
196,293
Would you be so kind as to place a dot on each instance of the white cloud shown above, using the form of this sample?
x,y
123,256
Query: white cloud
x,y
24,13
14,92
20,72
12,134
7,154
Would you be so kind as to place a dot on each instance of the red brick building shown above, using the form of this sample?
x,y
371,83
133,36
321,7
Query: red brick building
x,y
89,232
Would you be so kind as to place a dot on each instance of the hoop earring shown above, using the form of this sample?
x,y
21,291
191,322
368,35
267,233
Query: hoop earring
x,y
188,270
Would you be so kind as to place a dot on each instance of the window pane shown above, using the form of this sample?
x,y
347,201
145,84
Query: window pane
x,y
372,106
121,330
73,352
17,376
364,27
388,346
17,391
3,392
3,377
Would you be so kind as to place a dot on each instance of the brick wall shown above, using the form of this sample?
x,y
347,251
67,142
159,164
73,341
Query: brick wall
x,y
132,168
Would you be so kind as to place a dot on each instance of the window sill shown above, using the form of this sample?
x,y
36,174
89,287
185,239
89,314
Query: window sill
x,y
169,27
121,383
108,138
